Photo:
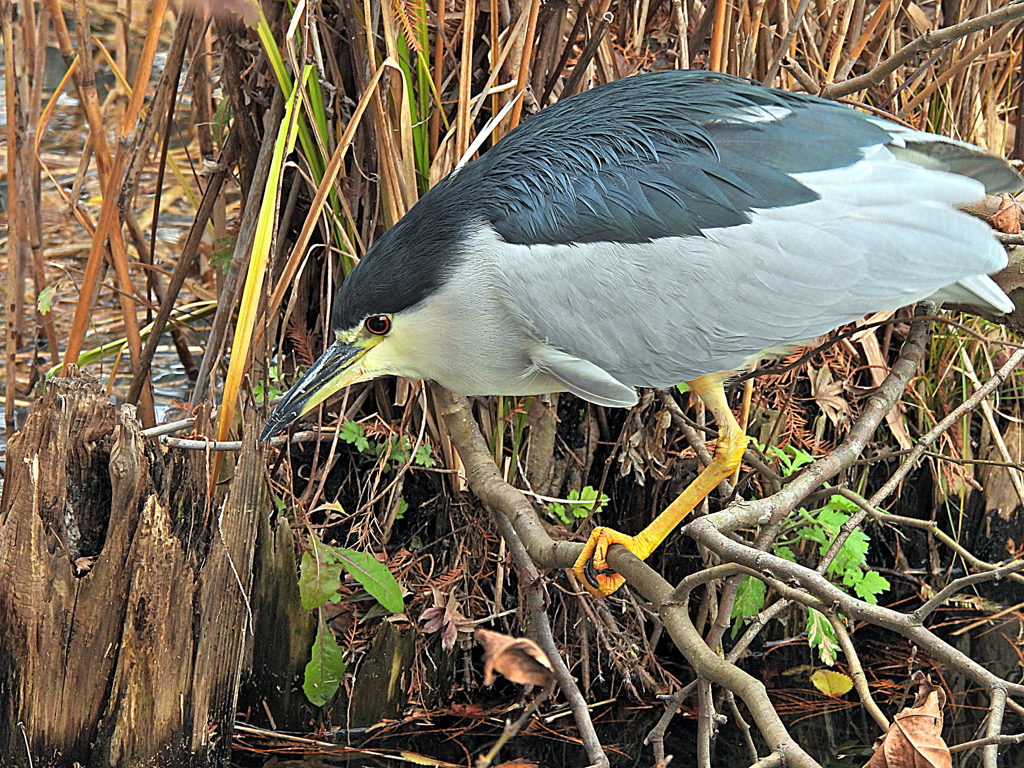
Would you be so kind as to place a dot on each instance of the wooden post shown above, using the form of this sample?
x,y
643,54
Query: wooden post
x,y
124,592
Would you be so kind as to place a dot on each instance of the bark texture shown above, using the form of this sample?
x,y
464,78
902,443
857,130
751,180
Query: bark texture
x,y
124,594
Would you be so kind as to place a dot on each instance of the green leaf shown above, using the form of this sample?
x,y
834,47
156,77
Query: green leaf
x,y
785,553
396,449
423,457
790,458
569,513
852,576
374,576
822,637
871,586
318,582
749,600
831,520
824,528
45,300
842,504
326,667
224,249
403,507
352,432
853,553
559,511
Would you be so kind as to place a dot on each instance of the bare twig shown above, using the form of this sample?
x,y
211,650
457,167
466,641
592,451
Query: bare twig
x,y
674,608
860,681
954,416
958,584
705,723
931,526
790,580
743,725
783,50
928,41
533,586
1006,738
511,729
994,725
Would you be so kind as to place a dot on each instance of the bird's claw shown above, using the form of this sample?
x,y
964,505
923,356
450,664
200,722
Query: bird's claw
x,y
592,567
590,574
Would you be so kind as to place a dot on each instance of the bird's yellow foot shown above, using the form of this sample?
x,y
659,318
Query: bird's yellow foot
x,y
591,566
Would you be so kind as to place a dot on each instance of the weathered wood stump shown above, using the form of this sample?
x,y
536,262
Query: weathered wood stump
x,y
126,614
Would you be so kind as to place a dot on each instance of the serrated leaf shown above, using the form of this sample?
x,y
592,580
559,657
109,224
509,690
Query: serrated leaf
x,y
559,511
749,599
325,668
374,576
424,458
842,504
318,582
871,586
852,576
352,432
45,301
815,533
831,520
822,637
852,555
831,683
785,553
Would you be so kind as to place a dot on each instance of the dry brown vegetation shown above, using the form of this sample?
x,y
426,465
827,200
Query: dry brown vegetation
x,y
135,211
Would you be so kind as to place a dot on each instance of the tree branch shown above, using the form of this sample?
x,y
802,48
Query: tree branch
x,y
926,42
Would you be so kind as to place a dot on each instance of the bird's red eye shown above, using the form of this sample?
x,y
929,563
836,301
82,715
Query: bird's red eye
x,y
378,324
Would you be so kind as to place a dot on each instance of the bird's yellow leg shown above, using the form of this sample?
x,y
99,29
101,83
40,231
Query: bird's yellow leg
x,y
592,567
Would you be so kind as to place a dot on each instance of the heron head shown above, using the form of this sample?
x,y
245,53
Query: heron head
x,y
389,314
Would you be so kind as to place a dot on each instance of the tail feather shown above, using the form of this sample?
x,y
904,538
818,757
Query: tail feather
x,y
976,291
996,174
940,153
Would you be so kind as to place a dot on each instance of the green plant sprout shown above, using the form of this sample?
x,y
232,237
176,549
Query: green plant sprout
x,y
848,568
398,449
273,388
577,505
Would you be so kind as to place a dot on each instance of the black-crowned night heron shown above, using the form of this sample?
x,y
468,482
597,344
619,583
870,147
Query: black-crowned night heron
x,y
666,228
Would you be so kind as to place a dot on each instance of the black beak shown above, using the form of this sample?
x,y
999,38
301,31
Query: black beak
x,y
327,376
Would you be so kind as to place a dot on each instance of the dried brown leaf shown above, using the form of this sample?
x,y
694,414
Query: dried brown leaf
x,y
445,618
1007,218
879,369
517,658
914,740
828,394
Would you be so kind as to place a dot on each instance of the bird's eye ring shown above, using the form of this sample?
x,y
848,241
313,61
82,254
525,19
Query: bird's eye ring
x,y
378,325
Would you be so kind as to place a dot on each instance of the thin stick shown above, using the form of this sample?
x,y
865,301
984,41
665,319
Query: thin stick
x,y
511,729
928,41
534,589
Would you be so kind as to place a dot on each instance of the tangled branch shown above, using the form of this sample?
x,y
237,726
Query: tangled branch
x,y
792,582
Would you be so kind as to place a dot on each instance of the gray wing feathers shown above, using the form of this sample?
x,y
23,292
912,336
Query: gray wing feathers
x,y
583,378
976,291
882,235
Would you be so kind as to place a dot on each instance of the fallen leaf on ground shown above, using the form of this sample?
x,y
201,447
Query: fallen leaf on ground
x,y
517,658
831,683
914,740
